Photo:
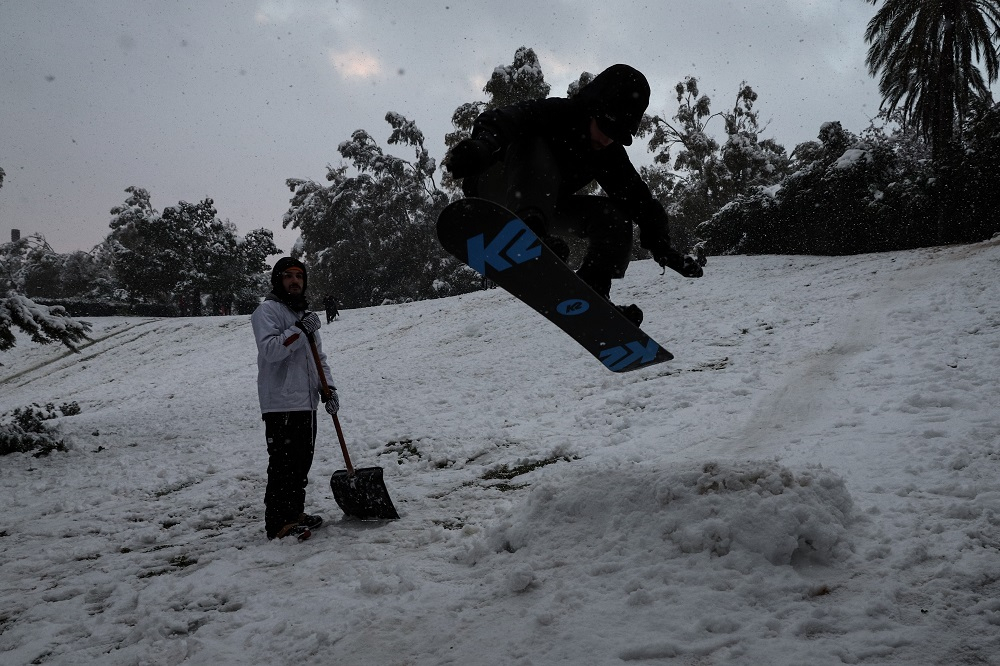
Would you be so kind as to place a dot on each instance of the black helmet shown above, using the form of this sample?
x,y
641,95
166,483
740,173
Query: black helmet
x,y
283,265
617,98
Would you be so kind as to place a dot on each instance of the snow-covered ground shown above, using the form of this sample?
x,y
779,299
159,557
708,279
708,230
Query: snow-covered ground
x,y
815,479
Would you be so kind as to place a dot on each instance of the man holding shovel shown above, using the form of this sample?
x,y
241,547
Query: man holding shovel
x,y
290,389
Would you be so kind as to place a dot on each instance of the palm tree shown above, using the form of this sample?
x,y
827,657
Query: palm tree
x,y
928,52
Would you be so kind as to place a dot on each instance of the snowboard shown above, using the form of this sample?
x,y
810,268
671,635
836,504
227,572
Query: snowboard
x,y
500,247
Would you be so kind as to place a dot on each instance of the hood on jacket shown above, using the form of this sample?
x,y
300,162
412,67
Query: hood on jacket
x,y
617,98
282,265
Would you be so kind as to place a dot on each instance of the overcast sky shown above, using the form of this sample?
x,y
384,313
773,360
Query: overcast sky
x,y
190,99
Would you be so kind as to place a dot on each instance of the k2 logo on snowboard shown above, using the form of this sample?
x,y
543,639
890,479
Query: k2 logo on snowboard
x,y
573,307
619,358
515,244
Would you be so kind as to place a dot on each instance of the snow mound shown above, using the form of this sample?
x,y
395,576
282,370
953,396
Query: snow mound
x,y
752,513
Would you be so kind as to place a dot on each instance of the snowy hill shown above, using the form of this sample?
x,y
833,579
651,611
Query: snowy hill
x,y
814,479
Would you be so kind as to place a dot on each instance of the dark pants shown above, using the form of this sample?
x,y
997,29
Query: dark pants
x,y
528,182
291,438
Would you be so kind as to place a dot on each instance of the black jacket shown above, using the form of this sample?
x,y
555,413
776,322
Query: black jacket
x,y
564,124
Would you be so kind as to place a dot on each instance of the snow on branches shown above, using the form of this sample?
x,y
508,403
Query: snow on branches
x,y
42,323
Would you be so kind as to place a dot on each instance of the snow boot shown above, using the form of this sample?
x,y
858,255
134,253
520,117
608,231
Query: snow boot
x,y
302,529
300,532
310,522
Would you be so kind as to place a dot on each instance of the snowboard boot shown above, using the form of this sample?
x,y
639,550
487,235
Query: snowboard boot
x,y
535,219
558,246
632,313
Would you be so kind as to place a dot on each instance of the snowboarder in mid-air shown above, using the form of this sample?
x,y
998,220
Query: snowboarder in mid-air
x,y
533,157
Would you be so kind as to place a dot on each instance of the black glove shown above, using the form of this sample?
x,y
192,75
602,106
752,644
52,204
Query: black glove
x,y
470,157
687,266
309,323
331,400
657,242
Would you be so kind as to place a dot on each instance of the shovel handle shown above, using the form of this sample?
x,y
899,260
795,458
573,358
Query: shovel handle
x,y
326,389
343,446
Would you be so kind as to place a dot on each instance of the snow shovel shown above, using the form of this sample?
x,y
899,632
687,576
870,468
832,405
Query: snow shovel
x,y
360,492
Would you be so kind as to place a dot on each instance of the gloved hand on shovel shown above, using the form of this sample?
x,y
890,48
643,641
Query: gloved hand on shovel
x,y
309,323
331,401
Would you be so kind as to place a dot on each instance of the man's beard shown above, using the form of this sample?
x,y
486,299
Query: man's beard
x,y
295,301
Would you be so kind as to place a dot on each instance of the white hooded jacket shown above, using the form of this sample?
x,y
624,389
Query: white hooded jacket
x,y
287,380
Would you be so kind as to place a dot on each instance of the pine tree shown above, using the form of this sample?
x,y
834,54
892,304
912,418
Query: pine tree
x,y
41,323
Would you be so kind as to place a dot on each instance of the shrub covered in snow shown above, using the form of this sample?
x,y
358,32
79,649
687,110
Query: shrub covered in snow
x,y
875,192
24,429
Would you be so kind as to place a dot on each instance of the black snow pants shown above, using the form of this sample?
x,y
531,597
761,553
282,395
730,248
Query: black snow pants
x,y
528,182
291,440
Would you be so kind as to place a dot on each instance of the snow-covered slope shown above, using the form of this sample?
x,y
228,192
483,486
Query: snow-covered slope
x,y
814,479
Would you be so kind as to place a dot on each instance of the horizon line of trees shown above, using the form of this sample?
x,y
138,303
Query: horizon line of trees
x,y
922,173
184,261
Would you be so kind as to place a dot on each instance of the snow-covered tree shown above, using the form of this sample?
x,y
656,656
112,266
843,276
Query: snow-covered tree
x,y
79,274
522,79
134,234
369,236
183,253
41,323
848,194
254,279
205,249
17,311
517,82
693,174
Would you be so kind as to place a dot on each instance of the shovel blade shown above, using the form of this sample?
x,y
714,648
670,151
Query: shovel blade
x,y
363,495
